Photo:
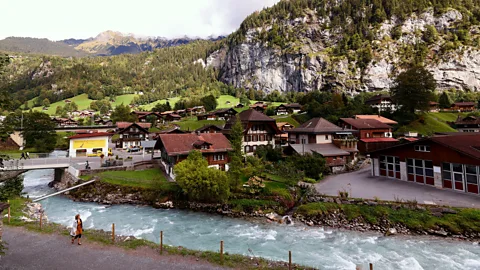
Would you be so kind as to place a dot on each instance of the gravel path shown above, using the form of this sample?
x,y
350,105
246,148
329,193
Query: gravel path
x,y
29,250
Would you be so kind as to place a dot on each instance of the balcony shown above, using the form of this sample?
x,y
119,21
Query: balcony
x,y
346,143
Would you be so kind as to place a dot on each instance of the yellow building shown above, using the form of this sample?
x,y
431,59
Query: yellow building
x,y
82,145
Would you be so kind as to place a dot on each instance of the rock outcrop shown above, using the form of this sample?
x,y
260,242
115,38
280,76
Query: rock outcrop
x,y
309,64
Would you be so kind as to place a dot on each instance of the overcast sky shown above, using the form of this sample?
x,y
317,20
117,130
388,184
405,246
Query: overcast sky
x,y
61,19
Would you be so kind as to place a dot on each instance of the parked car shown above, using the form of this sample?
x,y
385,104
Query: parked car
x,y
132,150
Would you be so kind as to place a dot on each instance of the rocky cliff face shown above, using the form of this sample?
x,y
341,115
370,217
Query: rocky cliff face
x,y
309,63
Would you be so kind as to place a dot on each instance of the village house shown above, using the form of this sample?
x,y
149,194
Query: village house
x,y
131,134
144,116
381,103
89,143
196,110
172,117
463,107
65,122
290,108
175,148
338,145
467,124
282,138
448,161
433,106
174,130
259,106
258,129
104,122
372,134
209,129
221,114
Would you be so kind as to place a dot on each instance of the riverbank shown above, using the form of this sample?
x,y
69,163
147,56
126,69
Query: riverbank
x,y
25,215
388,218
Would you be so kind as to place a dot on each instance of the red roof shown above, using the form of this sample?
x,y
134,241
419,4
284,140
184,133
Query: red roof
x,y
411,139
374,140
365,123
466,104
91,135
182,144
467,144
122,125
377,117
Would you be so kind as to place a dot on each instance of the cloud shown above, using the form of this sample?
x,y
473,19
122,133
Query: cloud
x,y
60,19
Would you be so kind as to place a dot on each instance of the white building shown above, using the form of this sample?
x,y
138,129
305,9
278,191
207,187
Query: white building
x,y
83,144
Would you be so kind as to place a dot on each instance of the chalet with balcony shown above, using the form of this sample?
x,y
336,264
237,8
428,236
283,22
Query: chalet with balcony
x,y
372,134
131,134
196,110
290,108
175,148
450,162
258,129
381,103
222,114
463,106
338,145
467,124
145,116
282,138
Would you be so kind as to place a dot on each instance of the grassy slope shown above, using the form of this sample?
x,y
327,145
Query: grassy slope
x,y
466,219
149,106
434,122
286,118
81,100
125,99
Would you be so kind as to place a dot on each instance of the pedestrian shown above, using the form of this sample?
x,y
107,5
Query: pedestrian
x,y
22,156
28,155
87,166
77,229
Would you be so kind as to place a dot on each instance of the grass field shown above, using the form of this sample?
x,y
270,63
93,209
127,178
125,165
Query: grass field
x,y
149,106
125,99
148,179
81,100
432,122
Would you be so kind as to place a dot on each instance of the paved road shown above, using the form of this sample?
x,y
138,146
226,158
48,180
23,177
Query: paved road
x,y
28,250
361,184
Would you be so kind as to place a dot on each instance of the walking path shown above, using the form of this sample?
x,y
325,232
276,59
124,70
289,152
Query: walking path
x,y
28,250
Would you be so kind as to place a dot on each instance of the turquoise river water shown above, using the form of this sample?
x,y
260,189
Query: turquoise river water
x,y
312,246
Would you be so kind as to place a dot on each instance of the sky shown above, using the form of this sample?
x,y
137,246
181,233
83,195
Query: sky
x,y
62,19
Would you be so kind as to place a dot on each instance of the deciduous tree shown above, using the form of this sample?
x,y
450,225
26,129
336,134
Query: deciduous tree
x,y
236,157
199,182
413,89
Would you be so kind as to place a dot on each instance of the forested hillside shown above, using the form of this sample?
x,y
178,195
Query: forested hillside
x,y
160,74
38,46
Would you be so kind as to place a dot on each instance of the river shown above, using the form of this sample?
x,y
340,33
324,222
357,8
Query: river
x,y
312,246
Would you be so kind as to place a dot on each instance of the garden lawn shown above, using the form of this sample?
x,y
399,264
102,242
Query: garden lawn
x,y
82,101
148,179
433,122
223,99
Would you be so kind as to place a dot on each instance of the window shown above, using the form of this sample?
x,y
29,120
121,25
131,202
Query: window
x,y
326,137
422,148
304,141
472,175
218,157
418,167
391,165
204,147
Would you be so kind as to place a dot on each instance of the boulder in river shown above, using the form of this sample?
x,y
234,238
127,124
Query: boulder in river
x,y
391,231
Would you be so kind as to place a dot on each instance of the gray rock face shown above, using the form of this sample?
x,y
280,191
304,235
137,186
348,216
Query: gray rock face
x,y
254,65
